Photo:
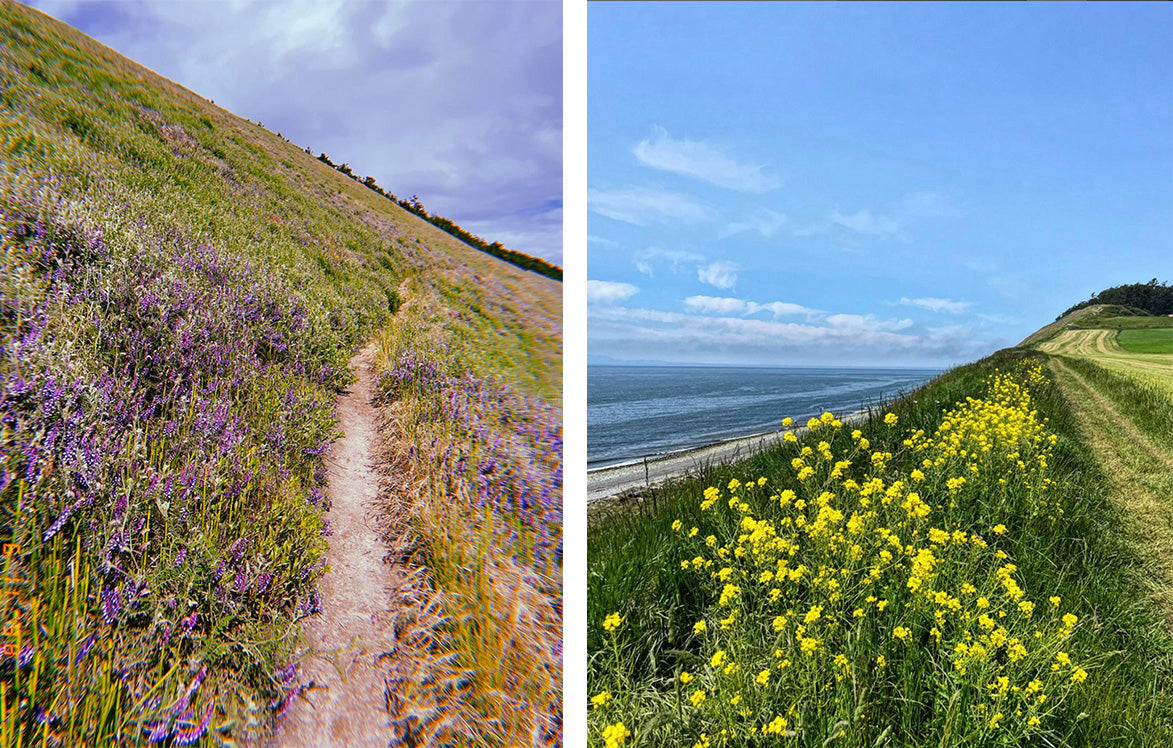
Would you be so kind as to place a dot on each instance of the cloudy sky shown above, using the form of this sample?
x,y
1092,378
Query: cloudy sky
x,y
884,184
458,102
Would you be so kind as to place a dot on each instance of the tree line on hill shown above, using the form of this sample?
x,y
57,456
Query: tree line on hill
x,y
1152,297
520,259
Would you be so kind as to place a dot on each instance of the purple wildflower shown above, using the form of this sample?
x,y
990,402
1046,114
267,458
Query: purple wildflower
x,y
236,550
188,623
189,734
58,524
85,648
111,605
158,731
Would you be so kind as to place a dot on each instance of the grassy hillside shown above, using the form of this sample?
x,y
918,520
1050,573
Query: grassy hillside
x,y
181,292
984,562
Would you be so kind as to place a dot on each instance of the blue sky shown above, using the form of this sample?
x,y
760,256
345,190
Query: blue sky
x,y
458,102
869,184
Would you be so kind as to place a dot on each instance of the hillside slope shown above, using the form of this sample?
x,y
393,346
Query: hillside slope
x,y
982,562
180,296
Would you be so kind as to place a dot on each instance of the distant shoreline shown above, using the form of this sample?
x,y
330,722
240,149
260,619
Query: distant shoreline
x,y
612,480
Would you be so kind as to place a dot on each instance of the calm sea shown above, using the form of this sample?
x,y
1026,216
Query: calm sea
x,y
633,411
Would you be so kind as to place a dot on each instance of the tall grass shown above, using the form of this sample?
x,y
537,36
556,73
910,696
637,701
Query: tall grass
x,y
487,502
899,676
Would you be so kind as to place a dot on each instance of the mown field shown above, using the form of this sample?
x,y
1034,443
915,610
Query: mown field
x,y
1103,346
961,569
180,295
1158,340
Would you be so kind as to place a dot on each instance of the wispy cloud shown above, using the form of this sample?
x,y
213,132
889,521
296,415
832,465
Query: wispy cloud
x,y
609,292
643,206
863,222
937,305
930,205
716,304
866,323
602,241
647,259
626,332
700,160
720,274
727,305
765,222
782,309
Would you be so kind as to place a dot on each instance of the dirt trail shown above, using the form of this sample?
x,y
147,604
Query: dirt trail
x,y
1139,472
349,638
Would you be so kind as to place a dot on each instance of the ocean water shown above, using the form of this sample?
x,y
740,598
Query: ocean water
x,y
634,411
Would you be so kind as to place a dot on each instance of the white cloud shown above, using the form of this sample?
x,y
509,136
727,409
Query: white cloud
x,y
643,206
601,240
863,222
937,305
930,205
716,304
647,259
609,292
719,274
765,222
699,160
782,309
727,305
865,323
625,332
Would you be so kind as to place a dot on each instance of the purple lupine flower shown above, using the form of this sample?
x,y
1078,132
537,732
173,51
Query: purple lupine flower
x,y
188,623
288,675
85,648
263,582
180,557
111,605
236,550
189,734
57,524
157,731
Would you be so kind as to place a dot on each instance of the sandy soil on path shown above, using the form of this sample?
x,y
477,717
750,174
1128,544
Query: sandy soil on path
x,y
344,642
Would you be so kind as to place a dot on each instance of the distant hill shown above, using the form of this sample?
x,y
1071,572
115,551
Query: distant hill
x,y
1142,298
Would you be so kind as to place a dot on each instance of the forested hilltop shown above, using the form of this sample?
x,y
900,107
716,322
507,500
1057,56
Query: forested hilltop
x,y
1147,298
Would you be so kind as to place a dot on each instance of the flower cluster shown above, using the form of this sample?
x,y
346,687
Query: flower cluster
x,y
163,407
861,589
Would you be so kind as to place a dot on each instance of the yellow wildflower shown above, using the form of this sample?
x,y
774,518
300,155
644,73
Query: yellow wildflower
x,y
602,700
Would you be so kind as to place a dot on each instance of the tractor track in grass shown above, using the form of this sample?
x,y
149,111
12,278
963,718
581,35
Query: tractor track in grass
x,y
1139,472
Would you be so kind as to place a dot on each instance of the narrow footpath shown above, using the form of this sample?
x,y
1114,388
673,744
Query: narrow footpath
x,y
346,645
